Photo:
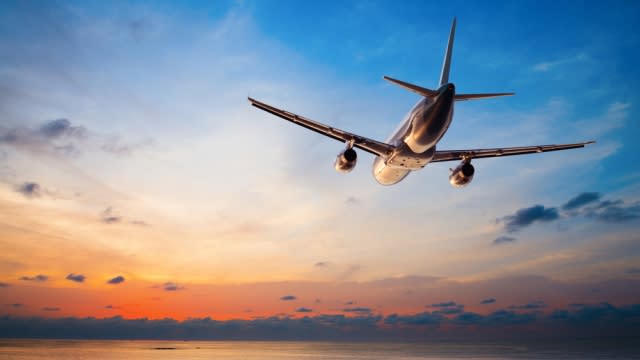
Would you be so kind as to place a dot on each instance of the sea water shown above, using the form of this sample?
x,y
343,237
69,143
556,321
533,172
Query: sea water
x,y
28,349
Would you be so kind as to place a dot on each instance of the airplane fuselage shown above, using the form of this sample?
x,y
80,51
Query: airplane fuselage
x,y
416,137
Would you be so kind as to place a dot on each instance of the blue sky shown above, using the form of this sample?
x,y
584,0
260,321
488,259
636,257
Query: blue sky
x,y
125,136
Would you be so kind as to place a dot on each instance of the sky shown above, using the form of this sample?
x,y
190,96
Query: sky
x,y
138,186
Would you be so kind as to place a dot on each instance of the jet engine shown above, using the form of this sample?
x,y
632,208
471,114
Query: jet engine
x,y
462,174
346,160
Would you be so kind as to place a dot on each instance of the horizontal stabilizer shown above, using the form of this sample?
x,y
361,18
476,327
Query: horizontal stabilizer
x,y
415,88
463,97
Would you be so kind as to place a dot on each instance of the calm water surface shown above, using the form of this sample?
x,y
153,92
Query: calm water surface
x,y
138,349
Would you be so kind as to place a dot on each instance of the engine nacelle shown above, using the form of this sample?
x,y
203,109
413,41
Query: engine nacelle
x,y
462,175
346,160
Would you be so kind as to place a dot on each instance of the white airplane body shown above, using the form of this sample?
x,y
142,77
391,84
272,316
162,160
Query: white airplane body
x,y
413,145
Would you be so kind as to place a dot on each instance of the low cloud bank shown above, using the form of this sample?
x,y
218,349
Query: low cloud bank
x,y
601,319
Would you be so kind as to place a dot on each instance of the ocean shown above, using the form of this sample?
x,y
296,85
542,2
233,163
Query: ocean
x,y
29,349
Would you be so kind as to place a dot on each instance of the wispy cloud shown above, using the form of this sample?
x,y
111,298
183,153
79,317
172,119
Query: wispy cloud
x,y
550,65
55,137
504,240
37,278
304,310
108,216
488,301
288,298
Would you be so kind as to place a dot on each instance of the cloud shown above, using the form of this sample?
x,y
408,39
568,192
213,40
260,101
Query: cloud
x,y
352,200
359,310
107,216
116,280
527,216
4,284
116,146
488,301
448,308
171,286
76,277
614,212
38,278
503,240
303,310
421,319
30,189
61,127
549,65
530,306
633,270
444,304
50,309
581,200
288,298
321,264
46,138
111,307
15,305
602,319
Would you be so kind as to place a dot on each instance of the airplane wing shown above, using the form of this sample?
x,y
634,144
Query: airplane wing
x,y
372,146
451,155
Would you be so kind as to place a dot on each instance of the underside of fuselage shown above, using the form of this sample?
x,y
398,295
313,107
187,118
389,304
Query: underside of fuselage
x,y
416,139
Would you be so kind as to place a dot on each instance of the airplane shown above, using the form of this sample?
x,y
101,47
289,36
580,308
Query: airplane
x,y
413,145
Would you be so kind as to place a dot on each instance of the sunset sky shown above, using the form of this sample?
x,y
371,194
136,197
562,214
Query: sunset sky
x,y
136,180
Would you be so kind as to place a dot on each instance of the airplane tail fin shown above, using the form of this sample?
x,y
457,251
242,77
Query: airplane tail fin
x,y
444,75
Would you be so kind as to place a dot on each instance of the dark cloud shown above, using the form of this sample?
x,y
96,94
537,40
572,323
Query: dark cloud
x,y
38,278
593,320
4,284
581,200
288,298
50,309
116,280
444,304
527,216
421,319
614,212
108,217
76,277
503,240
15,305
61,127
358,310
304,310
45,138
633,270
30,189
530,306
488,301
321,264
448,308
171,286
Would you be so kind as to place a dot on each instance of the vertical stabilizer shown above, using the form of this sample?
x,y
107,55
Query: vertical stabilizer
x,y
444,75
